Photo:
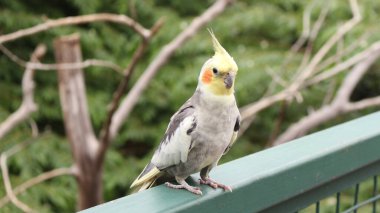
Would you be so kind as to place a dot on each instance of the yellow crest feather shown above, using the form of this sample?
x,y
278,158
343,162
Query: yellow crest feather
x,y
217,46
224,60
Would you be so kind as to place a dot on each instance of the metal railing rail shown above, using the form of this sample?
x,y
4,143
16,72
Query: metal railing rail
x,y
285,178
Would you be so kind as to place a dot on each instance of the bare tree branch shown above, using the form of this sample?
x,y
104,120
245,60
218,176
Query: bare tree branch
x,y
27,106
344,29
308,35
40,66
34,127
74,20
8,186
320,21
302,39
105,131
300,81
312,36
84,64
77,122
330,92
353,46
36,180
305,28
276,77
7,183
29,183
340,105
344,65
363,104
163,56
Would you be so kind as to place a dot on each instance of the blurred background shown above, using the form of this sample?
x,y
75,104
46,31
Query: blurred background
x,y
260,35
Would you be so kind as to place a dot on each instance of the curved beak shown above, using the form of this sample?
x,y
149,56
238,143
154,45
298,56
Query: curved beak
x,y
228,80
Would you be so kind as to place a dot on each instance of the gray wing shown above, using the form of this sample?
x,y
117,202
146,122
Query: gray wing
x,y
234,134
174,147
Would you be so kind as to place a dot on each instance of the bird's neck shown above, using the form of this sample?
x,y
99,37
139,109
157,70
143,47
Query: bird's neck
x,y
210,97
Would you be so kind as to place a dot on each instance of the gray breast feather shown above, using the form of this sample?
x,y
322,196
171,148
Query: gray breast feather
x,y
234,135
175,146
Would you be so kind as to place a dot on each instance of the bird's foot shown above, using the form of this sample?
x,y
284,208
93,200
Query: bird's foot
x,y
214,184
195,190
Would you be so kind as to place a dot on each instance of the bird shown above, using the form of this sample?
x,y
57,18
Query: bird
x,y
201,131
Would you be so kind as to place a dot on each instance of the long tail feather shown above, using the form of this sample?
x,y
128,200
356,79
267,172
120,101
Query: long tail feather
x,y
147,184
147,177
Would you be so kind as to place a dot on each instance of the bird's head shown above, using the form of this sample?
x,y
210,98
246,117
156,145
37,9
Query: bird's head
x,y
218,73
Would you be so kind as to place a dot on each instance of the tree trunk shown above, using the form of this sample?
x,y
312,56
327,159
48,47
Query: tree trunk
x,y
79,131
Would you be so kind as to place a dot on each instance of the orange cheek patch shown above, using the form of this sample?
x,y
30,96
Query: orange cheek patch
x,y
207,76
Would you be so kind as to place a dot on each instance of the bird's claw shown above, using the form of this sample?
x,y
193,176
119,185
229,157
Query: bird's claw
x,y
214,184
195,190
208,182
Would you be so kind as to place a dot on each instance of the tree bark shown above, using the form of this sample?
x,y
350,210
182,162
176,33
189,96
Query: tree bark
x,y
340,105
77,122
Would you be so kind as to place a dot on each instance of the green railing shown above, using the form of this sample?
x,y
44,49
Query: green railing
x,y
287,178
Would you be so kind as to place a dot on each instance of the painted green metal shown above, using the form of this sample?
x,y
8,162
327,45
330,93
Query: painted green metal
x,y
285,178
374,193
356,197
324,190
317,205
337,207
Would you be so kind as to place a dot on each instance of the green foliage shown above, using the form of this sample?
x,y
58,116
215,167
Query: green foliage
x,y
47,152
258,34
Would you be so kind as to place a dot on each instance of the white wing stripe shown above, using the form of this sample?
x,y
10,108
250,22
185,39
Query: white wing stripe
x,y
176,150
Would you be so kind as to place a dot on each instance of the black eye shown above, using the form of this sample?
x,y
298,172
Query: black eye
x,y
214,70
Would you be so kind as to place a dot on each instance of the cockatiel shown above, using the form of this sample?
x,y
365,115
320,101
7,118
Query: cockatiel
x,y
201,131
